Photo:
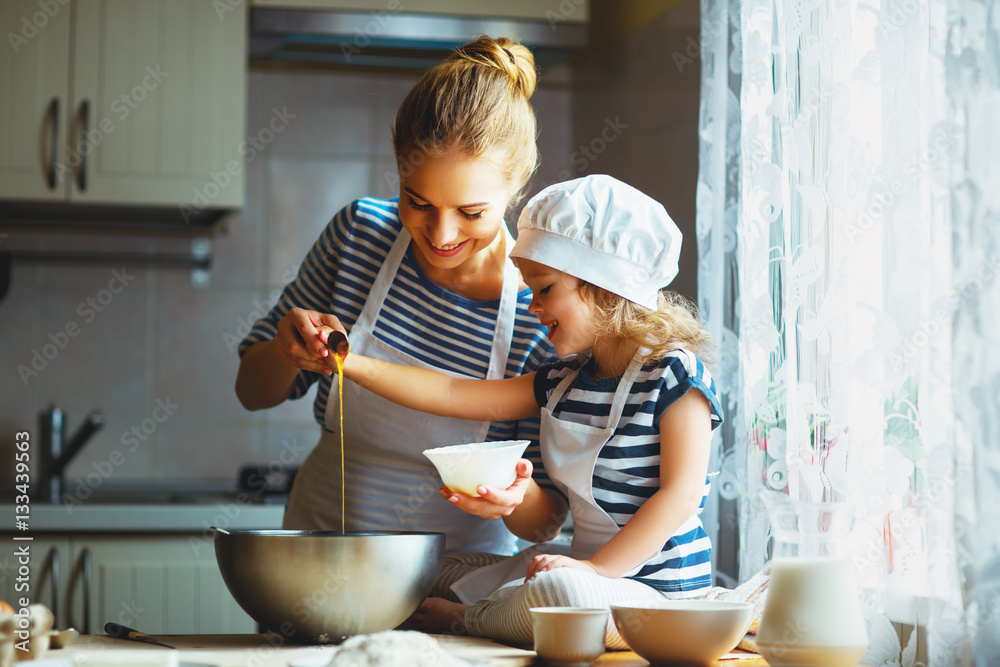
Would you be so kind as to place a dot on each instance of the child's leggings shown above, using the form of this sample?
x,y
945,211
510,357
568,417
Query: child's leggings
x,y
504,615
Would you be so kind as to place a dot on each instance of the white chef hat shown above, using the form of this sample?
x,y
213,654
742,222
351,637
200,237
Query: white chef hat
x,y
604,232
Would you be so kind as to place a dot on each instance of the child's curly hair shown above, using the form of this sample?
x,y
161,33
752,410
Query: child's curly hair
x,y
674,323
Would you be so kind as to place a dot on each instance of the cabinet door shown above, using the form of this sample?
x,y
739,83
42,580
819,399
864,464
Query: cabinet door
x,y
159,90
48,562
156,584
35,105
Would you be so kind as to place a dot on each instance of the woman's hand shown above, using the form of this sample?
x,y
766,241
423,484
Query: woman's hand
x,y
494,503
301,339
546,562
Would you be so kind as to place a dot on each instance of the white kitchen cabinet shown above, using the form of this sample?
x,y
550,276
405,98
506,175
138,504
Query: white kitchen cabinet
x,y
34,104
163,585
48,561
137,102
157,583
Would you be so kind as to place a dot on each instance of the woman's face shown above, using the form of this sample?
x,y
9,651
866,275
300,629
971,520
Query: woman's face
x,y
557,302
452,205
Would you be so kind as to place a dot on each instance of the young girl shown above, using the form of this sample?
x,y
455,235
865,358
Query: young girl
x,y
623,436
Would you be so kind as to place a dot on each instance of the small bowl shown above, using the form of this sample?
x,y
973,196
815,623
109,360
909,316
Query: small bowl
x,y
682,632
467,467
569,636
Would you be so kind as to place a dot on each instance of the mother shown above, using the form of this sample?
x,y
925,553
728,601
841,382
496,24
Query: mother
x,y
423,280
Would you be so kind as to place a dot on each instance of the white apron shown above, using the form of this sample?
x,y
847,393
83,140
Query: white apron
x,y
390,484
569,452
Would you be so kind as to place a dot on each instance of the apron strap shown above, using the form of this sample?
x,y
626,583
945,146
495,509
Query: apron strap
x,y
506,312
561,388
621,393
381,284
625,386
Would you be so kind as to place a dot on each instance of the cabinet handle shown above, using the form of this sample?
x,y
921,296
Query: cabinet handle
x,y
85,555
81,175
53,148
54,576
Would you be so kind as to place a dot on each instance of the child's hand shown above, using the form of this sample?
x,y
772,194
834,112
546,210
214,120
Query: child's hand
x,y
545,562
494,503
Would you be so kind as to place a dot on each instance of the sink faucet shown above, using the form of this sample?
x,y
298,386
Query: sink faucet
x,y
57,453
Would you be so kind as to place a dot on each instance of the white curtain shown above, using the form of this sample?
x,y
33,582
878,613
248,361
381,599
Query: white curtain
x,y
717,213
849,244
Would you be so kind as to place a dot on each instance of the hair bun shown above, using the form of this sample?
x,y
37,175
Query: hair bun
x,y
512,58
478,101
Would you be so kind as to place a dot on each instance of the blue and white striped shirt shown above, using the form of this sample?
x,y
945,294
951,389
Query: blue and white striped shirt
x,y
418,316
627,472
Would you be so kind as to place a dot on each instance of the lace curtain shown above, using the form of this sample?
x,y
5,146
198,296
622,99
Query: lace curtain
x,y
849,244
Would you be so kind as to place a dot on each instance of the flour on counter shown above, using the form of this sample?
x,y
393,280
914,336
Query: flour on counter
x,y
394,648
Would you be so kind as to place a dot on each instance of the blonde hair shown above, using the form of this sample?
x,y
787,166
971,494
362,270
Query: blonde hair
x,y
673,325
476,100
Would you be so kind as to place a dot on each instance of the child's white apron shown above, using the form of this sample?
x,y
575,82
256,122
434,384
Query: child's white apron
x,y
390,484
569,452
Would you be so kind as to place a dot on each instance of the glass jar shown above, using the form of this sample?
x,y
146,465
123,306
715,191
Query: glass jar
x,y
813,614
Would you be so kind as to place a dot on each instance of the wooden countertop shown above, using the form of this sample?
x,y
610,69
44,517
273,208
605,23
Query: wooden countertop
x,y
254,650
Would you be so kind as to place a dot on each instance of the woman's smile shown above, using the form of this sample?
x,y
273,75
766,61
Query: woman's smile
x,y
449,250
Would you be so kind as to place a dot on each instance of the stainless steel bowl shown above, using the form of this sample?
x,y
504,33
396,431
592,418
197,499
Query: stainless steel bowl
x,y
322,586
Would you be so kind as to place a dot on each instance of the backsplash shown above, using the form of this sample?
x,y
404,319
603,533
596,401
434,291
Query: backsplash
x,y
157,355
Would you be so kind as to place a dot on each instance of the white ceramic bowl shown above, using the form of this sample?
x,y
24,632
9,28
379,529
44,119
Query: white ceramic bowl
x,y
466,467
693,632
569,636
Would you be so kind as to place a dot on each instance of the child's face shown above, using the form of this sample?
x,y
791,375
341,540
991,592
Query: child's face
x,y
557,302
452,205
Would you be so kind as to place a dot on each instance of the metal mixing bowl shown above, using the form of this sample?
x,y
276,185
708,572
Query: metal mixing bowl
x,y
322,586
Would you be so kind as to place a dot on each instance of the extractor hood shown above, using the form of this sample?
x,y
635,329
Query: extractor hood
x,y
403,39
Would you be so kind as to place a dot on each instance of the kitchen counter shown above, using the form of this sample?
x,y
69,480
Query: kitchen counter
x,y
257,651
224,512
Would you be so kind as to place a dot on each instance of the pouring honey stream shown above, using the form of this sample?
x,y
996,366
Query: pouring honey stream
x,y
338,344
